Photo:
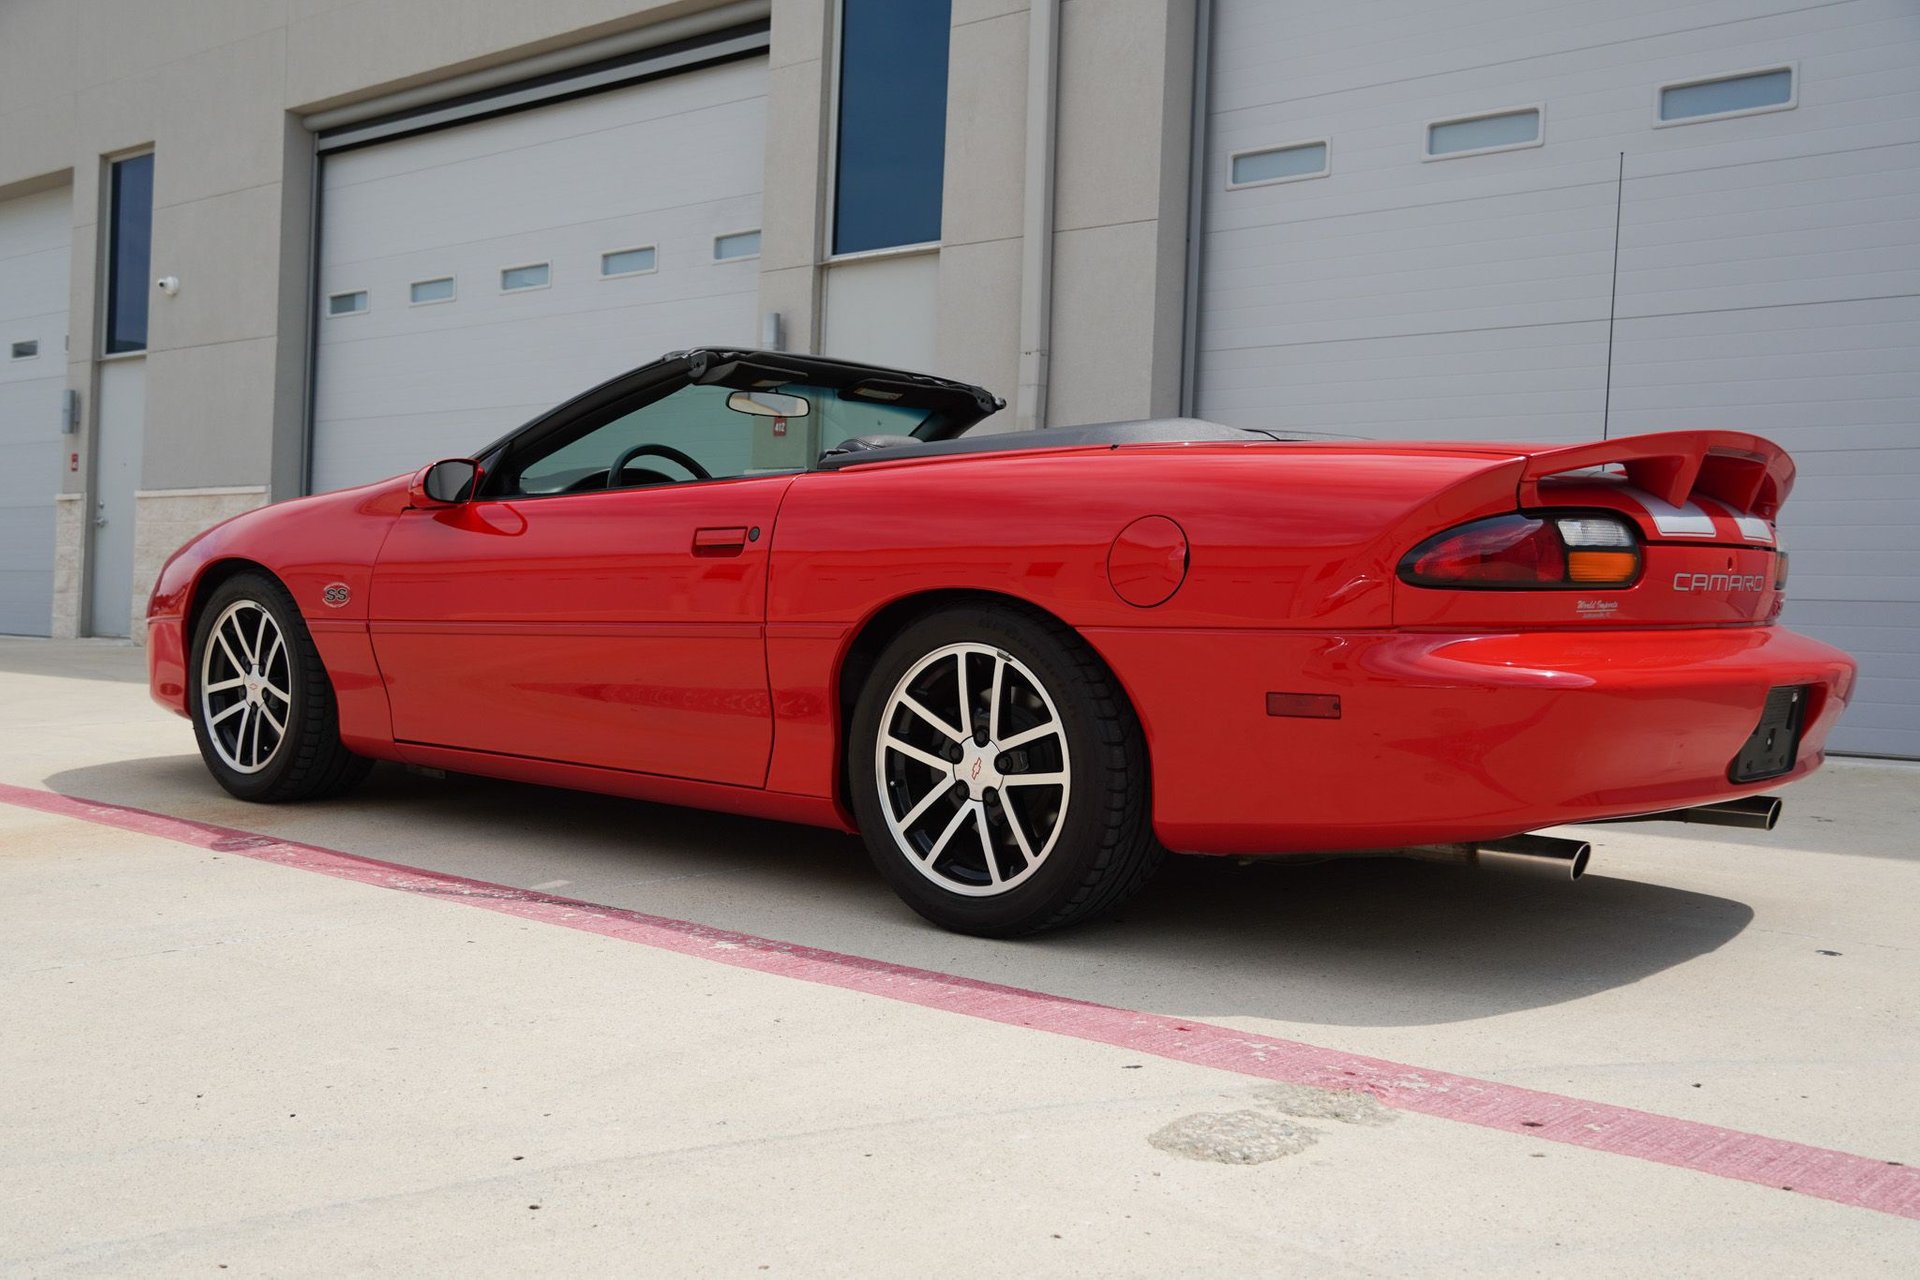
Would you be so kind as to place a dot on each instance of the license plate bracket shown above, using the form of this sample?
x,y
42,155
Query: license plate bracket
x,y
1774,745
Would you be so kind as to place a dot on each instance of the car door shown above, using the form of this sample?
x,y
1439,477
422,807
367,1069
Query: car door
x,y
601,602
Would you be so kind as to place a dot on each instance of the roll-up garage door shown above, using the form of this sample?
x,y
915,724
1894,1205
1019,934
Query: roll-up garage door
x,y
35,247
474,276
1408,231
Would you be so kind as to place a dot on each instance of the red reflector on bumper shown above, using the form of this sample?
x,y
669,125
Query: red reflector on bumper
x,y
1308,706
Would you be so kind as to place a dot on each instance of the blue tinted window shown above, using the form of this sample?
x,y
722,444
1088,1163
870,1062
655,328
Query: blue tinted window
x,y
627,262
1308,160
1735,93
131,247
536,275
893,123
1509,129
739,244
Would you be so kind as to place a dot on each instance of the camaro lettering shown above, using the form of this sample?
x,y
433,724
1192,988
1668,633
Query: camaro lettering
x,y
1710,582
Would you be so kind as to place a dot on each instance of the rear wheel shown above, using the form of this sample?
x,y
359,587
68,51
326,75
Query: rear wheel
x,y
999,775
263,708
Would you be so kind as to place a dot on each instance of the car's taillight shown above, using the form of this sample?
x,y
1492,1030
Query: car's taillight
x,y
1519,553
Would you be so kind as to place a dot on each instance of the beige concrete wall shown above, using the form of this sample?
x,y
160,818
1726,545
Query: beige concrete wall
x,y
218,87
1126,77
169,517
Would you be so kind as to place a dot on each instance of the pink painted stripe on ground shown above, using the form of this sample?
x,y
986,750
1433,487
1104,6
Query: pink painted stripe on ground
x,y
1839,1176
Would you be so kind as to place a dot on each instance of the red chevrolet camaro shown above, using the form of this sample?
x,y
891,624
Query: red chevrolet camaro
x,y
1021,665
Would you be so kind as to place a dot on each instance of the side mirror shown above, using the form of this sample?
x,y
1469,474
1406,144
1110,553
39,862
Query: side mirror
x,y
769,404
444,484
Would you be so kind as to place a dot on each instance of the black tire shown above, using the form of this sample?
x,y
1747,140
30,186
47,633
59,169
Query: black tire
x,y
308,762
1102,849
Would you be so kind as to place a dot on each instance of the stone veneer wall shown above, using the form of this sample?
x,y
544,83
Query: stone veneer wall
x,y
165,518
69,563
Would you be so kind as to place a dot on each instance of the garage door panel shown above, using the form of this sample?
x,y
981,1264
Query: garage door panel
x,y
1595,92
614,174
685,273
1836,373
1393,43
1786,332
35,252
1523,384
1422,255
500,362
391,418
637,114
1869,626
1769,269
668,164
576,180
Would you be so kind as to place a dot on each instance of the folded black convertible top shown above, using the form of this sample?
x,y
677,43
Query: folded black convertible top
x,y
1145,431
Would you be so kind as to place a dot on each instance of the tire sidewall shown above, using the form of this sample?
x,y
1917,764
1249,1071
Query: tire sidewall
x,y
264,592
1092,762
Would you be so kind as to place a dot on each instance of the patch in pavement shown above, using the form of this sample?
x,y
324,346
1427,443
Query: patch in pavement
x,y
1348,1106
1255,1137
1234,1137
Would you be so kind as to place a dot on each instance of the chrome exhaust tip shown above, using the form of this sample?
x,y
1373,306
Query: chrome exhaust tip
x,y
1549,855
1755,813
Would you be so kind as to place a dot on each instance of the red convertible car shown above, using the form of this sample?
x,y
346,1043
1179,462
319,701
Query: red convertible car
x,y
1022,665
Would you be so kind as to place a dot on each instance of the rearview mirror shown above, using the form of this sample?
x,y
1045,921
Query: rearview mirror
x,y
444,483
769,404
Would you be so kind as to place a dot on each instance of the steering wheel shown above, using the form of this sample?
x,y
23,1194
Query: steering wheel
x,y
666,451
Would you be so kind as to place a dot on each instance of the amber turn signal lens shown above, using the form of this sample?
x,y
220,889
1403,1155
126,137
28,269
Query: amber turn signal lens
x,y
1602,568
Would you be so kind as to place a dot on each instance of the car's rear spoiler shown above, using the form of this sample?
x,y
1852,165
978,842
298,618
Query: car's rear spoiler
x,y
1745,472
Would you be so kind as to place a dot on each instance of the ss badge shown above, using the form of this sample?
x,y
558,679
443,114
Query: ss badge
x,y
336,594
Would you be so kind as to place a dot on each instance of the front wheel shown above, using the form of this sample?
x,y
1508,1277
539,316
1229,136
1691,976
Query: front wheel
x,y
263,709
999,775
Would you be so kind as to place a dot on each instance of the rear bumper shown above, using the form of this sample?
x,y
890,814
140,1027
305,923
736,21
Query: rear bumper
x,y
1452,737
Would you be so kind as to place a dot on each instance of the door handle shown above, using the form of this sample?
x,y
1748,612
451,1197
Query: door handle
x,y
729,541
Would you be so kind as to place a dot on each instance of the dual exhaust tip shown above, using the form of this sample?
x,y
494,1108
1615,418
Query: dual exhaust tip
x,y
1567,859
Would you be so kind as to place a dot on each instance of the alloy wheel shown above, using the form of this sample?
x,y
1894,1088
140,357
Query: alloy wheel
x,y
245,687
973,769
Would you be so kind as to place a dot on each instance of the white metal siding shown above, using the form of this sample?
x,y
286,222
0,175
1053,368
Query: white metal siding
x,y
670,163
1769,264
35,248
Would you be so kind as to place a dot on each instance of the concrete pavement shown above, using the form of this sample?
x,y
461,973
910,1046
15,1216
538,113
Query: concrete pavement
x,y
217,1061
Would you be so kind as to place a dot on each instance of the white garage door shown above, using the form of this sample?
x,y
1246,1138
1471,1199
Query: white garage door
x,y
35,247
1769,268
472,277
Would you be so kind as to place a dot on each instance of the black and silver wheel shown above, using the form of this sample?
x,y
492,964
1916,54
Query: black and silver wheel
x,y
263,708
999,775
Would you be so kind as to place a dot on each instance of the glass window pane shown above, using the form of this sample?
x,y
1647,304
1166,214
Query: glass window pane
x,y
1736,93
440,290
26,350
1512,128
529,277
1307,161
626,262
347,304
741,244
693,420
893,123
131,253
